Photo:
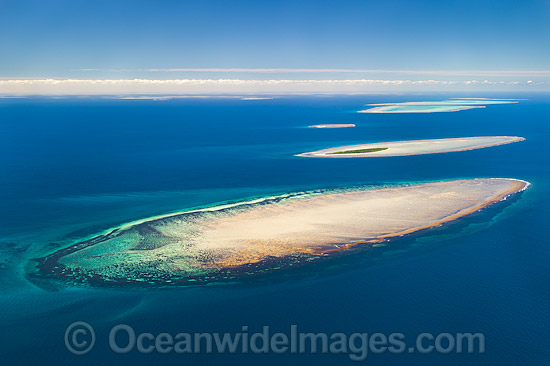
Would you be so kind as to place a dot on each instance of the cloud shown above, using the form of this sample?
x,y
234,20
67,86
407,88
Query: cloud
x,y
506,73
234,86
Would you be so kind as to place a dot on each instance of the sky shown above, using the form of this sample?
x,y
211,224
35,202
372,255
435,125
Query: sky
x,y
186,47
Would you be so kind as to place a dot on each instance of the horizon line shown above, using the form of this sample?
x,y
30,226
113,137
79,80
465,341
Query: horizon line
x,y
348,70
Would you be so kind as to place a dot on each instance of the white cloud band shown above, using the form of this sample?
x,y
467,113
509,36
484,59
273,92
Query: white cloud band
x,y
231,86
506,73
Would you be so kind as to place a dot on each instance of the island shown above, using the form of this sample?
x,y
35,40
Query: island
x,y
334,125
449,105
244,238
412,147
419,108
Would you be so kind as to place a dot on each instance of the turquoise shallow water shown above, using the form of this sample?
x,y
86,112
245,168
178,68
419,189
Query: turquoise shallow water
x,y
72,168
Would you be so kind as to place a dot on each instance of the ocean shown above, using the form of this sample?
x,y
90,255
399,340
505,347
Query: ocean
x,y
73,167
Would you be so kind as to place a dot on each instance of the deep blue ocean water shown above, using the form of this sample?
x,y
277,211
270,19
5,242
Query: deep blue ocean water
x,y
70,168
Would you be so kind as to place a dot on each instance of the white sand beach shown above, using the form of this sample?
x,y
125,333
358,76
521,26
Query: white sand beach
x,y
412,147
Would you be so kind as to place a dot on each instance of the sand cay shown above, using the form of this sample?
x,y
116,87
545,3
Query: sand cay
x,y
334,125
200,243
412,147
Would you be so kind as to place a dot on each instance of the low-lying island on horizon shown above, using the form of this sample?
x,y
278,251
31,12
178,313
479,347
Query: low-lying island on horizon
x,y
196,245
449,105
412,147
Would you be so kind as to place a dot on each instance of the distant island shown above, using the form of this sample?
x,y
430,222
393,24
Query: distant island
x,y
334,125
449,105
204,244
412,147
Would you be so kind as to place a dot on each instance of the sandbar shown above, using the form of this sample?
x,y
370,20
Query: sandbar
x,y
413,147
202,242
334,125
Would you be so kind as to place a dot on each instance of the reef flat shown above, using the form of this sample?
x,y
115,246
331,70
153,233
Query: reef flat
x,y
450,105
412,147
200,244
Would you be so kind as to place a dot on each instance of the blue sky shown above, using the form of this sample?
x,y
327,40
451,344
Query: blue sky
x,y
126,39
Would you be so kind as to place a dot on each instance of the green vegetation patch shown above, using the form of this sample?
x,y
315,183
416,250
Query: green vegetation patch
x,y
360,151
